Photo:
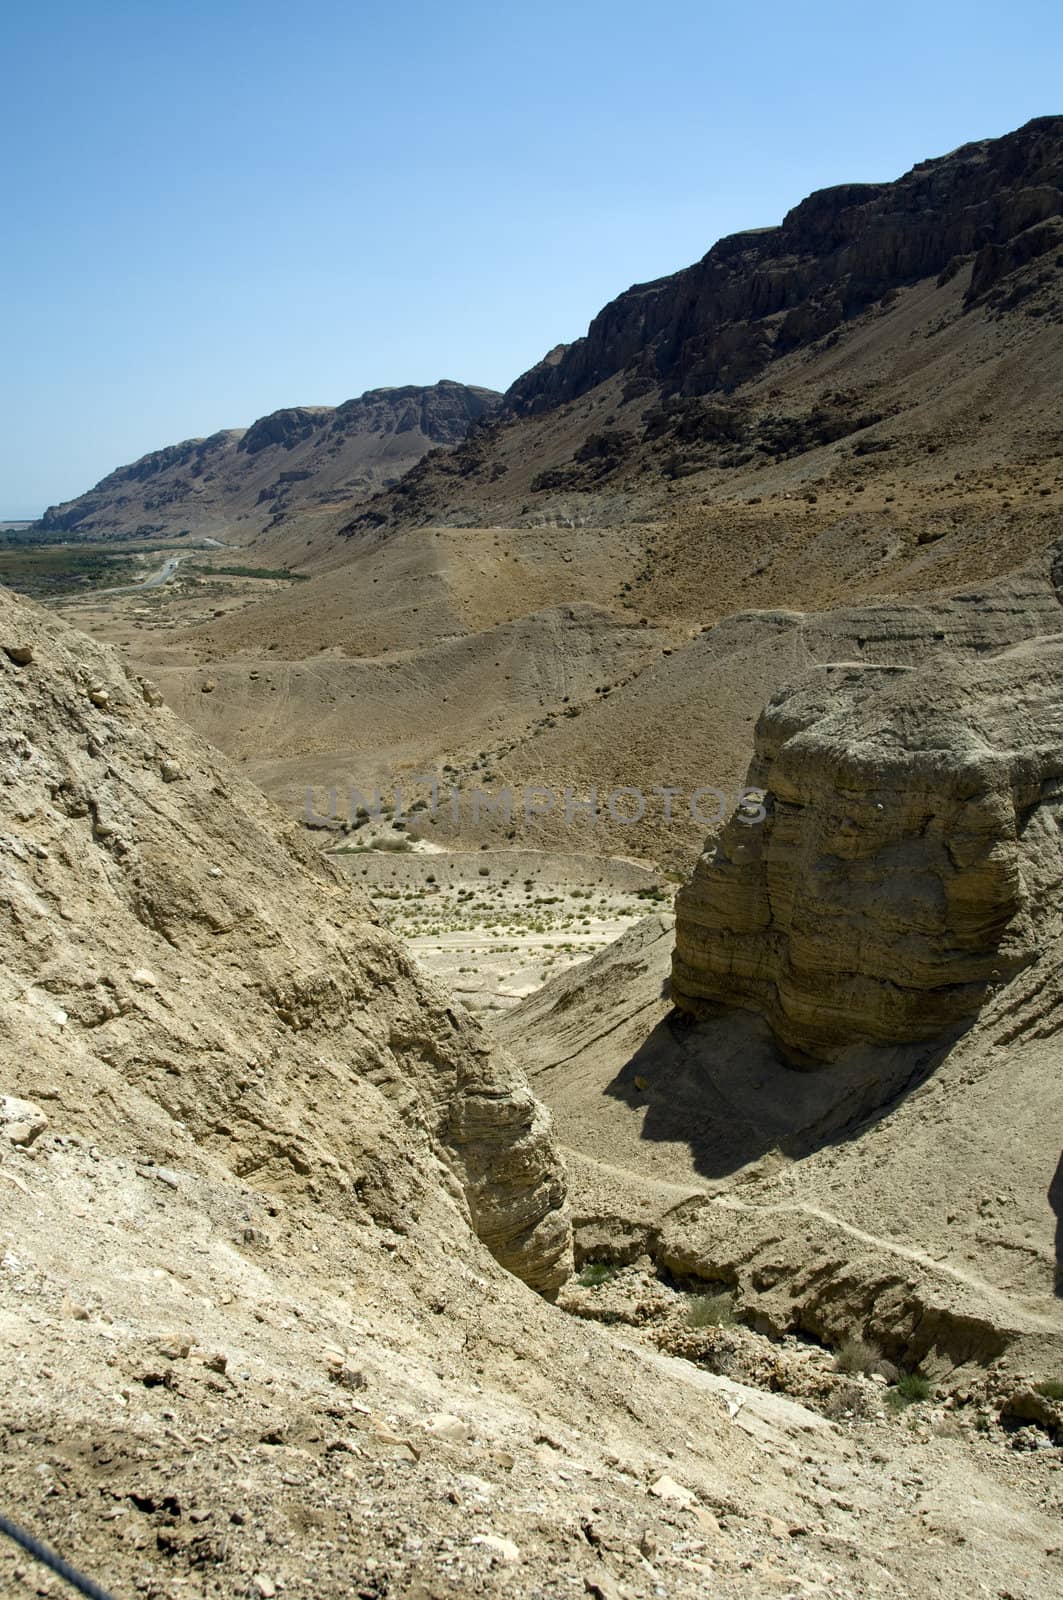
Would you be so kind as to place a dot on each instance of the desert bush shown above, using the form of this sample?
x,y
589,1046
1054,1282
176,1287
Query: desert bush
x,y
857,1355
711,1311
909,1390
1052,1389
595,1273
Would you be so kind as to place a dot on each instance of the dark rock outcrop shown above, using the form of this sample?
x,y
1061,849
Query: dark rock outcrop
x,y
761,293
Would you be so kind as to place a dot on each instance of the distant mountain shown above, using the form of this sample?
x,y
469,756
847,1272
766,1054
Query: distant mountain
x,y
920,316
242,482
993,205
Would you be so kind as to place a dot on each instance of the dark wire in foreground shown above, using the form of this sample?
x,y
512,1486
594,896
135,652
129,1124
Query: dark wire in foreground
x,y
48,1558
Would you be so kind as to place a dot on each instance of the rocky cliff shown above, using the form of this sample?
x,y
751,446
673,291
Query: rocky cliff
x,y
759,294
240,482
908,861
169,946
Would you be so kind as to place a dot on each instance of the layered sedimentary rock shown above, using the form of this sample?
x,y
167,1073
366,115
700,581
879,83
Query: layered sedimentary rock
x,y
909,858
761,293
170,945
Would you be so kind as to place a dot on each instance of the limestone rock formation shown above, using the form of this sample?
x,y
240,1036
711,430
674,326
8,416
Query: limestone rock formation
x,y
908,862
168,944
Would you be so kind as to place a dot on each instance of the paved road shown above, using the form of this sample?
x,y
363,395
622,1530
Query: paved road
x,y
154,581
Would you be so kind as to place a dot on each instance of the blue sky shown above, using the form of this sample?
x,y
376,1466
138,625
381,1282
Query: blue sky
x,y
215,209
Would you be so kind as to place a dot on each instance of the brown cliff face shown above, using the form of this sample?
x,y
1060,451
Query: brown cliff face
x,y
759,294
908,861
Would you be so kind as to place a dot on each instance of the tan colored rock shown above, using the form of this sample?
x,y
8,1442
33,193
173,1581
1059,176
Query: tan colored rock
x,y
378,1096
21,1122
906,862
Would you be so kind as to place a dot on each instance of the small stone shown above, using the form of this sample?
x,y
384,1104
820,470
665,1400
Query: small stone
x,y
444,1426
666,1488
263,1587
175,1347
99,696
171,771
152,697
216,1361
144,978
164,1175
208,687
505,1549
603,1586
21,1121
346,1376
20,654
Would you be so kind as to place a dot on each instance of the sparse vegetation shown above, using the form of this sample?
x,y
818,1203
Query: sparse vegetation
x,y
857,1355
712,1311
276,573
596,1273
1051,1389
910,1389
48,571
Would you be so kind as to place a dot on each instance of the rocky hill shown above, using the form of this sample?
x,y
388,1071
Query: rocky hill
x,y
992,206
303,461
260,1183
847,342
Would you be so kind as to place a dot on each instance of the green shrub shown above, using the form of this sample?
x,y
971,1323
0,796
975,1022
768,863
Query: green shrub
x,y
909,1390
711,1311
1052,1389
595,1273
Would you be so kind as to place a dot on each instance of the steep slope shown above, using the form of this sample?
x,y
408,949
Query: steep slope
x,y
296,464
877,321
205,964
252,1343
755,296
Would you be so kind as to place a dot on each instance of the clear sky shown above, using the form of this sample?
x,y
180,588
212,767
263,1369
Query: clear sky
x,y
216,208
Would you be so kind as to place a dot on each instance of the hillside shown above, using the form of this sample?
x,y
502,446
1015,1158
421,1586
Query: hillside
x,y
877,320
909,451
258,1179
295,464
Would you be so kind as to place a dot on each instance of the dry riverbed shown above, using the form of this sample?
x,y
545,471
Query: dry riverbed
x,y
494,926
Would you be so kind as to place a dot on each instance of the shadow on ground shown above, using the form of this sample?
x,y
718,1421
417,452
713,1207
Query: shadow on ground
x,y
721,1087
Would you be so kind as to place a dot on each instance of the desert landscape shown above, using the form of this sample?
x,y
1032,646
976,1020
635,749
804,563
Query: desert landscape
x,y
533,954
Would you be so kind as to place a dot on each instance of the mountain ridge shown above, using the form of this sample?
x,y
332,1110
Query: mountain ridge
x,y
298,458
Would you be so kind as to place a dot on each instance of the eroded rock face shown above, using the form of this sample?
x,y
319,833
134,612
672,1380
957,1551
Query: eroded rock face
x,y
169,945
758,294
909,860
